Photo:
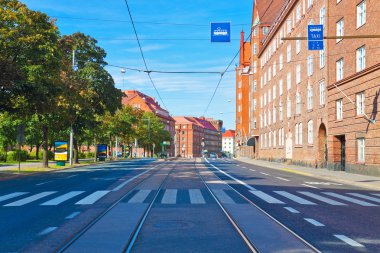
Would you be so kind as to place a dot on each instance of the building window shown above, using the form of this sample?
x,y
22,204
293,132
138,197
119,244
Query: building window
x,y
288,108
265,30
339,29
274,138
289,25
281,111
309,97
274,92
321,58
261,120
300,133
298,45
360,103
265,140
298,74
361,14
289,53
298,12
280,87
261,101
239,96
265,119
339,69
254,104
310,132
322,15
239,108
265,99
274,114
322,93
360,59
254,86
255,31
309,3
254,123
289,81
254,66
339,109
310,65
361,150
255,49
269,73
269,117
261,141
298,103
274,69
281,60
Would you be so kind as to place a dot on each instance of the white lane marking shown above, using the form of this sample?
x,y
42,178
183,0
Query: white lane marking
x,y
349,241
70,176
30,199
237,165
47,231
12,195
365,197
252,170
310,186
376,194
44,183
244,167
295,198
58,200
72,215
292,210
92,198
223,197
266,174
233,178
140,196
314,222
323,199
352,200
131,179
196,196
284,179
170,196
267,198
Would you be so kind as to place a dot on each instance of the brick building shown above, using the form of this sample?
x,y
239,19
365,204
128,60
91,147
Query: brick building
x,y
192,131
315,108
354,88
149,104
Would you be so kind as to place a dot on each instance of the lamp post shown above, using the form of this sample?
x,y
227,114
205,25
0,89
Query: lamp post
x,y
123,73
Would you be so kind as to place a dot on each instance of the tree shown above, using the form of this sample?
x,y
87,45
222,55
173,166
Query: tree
x,y
8,132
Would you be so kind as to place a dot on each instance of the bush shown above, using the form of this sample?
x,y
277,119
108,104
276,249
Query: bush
x,y
14,155
32,155
90,154
81,155
2,156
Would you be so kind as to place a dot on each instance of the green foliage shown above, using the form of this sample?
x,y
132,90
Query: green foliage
x,y
90,155
14,155
3,156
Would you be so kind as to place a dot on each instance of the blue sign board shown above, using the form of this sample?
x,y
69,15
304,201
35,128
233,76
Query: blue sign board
x,y
315,37
221,32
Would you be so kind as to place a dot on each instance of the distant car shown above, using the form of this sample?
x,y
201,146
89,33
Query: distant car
x,y
223,155
213,155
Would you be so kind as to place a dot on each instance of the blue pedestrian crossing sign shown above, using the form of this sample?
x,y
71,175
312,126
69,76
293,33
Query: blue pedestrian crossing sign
x,y
221,32
315,37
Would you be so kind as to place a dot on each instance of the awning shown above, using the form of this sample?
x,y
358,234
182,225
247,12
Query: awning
x,y
251,142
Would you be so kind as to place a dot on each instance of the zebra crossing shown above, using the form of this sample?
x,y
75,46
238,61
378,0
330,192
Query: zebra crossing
x,y
312,199
194,197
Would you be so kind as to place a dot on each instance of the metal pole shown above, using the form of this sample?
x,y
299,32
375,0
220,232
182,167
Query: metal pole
x,y
71,144
116,147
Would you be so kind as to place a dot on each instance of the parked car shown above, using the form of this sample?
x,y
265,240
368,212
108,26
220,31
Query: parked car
x,y
213,155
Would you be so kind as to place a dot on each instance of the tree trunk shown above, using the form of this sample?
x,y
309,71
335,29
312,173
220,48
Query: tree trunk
x,y
37,151
76,152
45,139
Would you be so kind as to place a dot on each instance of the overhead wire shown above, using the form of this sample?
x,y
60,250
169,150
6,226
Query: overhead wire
x,y
143,57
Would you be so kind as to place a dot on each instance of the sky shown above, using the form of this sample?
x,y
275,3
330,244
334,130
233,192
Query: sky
x,y
174,35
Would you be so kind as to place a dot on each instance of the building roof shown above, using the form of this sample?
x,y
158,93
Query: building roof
x,y
229,134
268,10
201,122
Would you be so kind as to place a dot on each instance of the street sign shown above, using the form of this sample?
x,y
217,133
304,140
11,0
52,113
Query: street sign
x,y
221,32
165,143
60,150
315,37
20,134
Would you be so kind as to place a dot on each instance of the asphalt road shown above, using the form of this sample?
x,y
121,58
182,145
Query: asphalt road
x,y
32,207
332,217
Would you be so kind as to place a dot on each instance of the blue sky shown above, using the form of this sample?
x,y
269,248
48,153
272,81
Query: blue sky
x,y
183,94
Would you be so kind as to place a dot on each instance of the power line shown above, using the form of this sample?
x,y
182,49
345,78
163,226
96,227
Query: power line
x,y
143,57
168,72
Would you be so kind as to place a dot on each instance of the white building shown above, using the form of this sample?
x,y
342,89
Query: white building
x,y
228,142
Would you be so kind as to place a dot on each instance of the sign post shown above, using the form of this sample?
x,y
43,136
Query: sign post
x,y
315,37
221,32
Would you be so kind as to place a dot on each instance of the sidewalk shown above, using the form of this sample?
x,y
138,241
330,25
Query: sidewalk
x,y
364,181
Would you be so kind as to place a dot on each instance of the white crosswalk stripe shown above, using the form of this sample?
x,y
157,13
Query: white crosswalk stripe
x,y
170,197
92,198
140,196
196,196
12,195
30,199
377,200
323,199
223,197
352,200
266,197
376,194
295,198
62,198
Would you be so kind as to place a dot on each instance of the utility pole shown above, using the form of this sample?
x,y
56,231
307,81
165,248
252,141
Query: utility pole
x,y
71,128
116,148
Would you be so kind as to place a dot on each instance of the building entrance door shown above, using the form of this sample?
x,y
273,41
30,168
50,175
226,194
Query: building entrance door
x,y
322,146
343,152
